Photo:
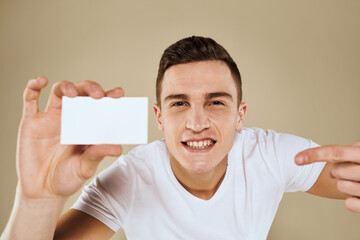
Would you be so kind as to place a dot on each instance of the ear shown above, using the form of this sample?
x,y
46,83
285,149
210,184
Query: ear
x,y
241,116
157,112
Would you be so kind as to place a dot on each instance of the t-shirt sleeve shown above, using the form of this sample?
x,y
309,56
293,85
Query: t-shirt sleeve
x,y
296,178
108,197
93,202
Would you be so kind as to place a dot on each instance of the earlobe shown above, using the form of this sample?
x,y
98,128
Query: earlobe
x,y
157,112
241,116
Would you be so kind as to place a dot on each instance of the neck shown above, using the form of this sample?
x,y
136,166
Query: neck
x,y
202,185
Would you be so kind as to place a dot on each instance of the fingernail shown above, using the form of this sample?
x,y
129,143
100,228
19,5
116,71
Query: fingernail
x,y
39,79
70,90
97,91
300,159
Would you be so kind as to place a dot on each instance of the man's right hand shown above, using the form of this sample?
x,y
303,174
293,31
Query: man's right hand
x,y
49,172
46,169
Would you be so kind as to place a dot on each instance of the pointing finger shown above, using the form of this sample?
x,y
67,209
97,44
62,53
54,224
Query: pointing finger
x,y
330,153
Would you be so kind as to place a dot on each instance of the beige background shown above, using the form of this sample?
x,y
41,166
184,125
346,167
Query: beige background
x,y
300,63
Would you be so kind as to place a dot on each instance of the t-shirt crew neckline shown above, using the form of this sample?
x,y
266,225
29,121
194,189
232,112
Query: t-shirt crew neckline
x,y
220,191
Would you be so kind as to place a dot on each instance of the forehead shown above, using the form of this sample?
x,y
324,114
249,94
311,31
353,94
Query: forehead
x,y
198,78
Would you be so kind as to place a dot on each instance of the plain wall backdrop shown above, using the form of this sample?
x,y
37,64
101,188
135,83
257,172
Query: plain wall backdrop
x,y
299,60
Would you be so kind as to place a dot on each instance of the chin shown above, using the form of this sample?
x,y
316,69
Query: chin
x,y
199,167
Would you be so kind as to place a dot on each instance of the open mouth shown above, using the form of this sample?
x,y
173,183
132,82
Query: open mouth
x,y
199,144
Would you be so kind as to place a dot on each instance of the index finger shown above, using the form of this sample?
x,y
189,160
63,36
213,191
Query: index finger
x,y
330,153
60,89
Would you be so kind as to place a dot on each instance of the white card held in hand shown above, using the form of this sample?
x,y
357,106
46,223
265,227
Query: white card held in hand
x,y
85,120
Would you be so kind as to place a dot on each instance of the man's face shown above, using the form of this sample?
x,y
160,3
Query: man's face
x,y
199,114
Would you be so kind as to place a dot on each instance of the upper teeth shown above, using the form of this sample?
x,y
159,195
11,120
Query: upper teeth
x,y
200,144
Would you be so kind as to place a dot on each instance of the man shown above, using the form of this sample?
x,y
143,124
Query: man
x,y
209,179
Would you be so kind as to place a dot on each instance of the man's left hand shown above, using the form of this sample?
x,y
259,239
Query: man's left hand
x,y
346,168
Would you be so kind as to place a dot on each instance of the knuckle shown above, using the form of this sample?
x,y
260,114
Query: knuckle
x,y
86,83
89,86
335,171
337,153
30,81
342,185
59,84
30,92
29,96
25,94
55,85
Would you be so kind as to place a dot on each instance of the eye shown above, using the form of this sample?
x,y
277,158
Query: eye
x,y
217,103
178,104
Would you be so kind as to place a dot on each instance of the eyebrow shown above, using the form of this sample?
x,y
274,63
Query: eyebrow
x,y
176,96
207,96
218,94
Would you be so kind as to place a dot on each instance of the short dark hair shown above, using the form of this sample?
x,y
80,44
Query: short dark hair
x,y
195,49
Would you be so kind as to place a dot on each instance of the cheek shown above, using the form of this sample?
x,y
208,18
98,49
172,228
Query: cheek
x,y
172,126
173,120
226,125
224,119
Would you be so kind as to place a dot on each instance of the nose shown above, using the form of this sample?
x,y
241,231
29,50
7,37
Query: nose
x,y
197,120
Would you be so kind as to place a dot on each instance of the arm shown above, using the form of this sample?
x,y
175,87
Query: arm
x,y
326,186
74,225
341,175
48,172
31,217
31,220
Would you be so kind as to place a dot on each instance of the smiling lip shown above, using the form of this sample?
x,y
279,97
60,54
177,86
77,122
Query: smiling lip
x,y
199,145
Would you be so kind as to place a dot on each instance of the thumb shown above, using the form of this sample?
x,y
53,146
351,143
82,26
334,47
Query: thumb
x,y
93,155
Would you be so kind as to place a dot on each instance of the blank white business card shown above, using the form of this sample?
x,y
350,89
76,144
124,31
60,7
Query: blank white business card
x,y
85,120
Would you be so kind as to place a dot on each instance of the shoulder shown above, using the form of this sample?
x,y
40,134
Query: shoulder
x,y
269,153
269,136
141,160
269,143
151,150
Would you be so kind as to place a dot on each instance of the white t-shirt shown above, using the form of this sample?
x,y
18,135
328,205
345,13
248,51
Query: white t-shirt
x,y
140,193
